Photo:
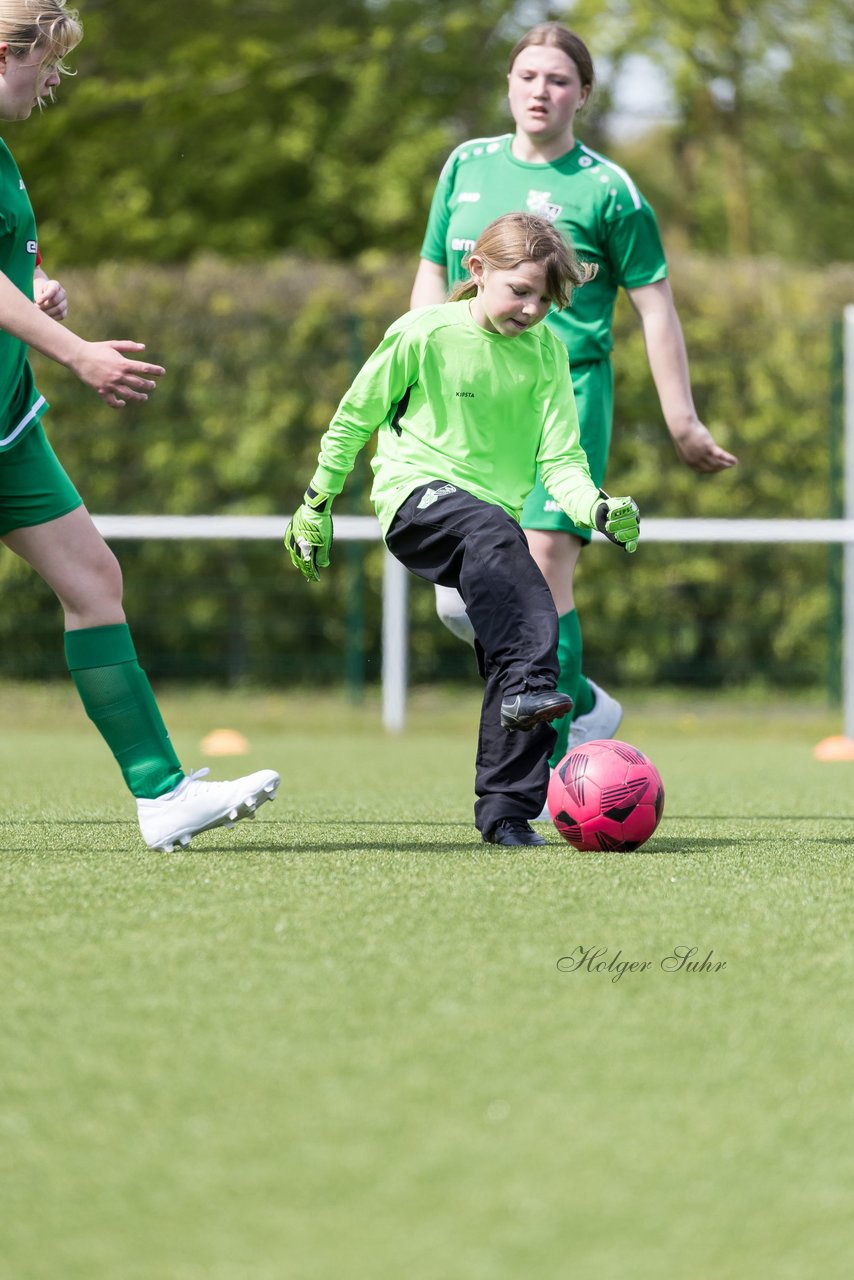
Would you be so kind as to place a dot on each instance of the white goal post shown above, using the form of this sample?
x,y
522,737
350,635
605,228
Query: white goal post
x,y
395,625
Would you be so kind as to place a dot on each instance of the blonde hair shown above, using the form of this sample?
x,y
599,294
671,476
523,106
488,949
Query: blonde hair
x,y
523,237
43,26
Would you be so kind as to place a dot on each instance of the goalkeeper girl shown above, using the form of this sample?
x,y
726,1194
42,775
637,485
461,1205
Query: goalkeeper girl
x,y
541,167
469,397
42,517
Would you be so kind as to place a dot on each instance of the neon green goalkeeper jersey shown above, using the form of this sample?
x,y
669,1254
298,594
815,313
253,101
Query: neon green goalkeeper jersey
x,y
453,402
21,406
591,200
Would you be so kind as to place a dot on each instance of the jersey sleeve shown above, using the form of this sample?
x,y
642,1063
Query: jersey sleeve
x,y
563,464
435,236
377,389
634,245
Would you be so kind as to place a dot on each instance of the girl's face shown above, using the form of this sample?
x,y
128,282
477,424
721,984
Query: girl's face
x,y
545,92
508,302
23,81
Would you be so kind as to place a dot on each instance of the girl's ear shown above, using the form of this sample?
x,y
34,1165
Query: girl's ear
x,y
476,268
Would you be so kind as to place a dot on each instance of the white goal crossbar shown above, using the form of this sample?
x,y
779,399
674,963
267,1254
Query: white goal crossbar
x,y
367,529
395,578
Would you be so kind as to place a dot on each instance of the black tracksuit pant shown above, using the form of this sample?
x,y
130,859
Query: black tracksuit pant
x,y
447,536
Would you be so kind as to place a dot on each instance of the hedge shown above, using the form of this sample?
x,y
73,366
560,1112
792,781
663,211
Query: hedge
x,y
257,359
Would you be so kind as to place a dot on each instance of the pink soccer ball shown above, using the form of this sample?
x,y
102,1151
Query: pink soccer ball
x,y
606,795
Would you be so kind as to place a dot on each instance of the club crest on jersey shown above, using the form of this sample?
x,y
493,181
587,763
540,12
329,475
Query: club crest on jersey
x,y
32,246
538,202
433,495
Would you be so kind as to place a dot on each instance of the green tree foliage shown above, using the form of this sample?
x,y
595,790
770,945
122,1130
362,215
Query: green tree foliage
x,y
214,136
248,127
256,365
245,127
758,158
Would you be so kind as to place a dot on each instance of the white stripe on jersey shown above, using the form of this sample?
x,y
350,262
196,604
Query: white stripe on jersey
x,y
480,142
475,145
465,150
633,191
24,422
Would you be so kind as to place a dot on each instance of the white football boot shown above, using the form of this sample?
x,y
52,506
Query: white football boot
x,y
196,806
601,721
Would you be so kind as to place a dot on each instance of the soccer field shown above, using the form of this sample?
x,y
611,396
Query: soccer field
x,y
344,1041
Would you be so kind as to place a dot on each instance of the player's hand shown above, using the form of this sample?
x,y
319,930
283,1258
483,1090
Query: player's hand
x,y
50,297
308,536
104,367
619,520
697,448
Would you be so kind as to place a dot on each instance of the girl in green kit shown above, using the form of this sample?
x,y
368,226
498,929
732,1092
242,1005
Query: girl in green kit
x,y
42,517
544,169
470,398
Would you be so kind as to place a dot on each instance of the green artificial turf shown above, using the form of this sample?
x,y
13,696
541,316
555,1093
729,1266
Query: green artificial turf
x,y
338,1042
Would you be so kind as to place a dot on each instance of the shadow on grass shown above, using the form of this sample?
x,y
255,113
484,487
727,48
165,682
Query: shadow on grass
x,y
689,844
666,846
336,847
467,845
352,836
758,817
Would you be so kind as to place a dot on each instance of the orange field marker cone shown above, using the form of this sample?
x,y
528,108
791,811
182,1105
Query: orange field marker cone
x,y
836,748
225,742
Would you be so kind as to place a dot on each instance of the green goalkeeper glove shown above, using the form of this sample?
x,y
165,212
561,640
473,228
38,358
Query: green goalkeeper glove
x,y
308,536
618,519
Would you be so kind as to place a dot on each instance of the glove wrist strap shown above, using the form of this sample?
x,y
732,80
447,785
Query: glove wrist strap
x,y
317,501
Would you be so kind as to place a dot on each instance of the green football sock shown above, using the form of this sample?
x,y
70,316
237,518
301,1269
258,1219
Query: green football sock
x,y
119,701
585,699
569,662
570,680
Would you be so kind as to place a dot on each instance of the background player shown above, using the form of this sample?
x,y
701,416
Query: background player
x,y
42,517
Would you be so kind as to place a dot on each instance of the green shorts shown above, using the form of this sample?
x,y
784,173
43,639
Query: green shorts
x,y
33,485
593,384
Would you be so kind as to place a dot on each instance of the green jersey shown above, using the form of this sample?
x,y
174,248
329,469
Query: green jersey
x,y
453,402
21,406
591,200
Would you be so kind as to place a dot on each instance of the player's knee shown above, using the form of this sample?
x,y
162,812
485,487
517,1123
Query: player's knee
x,y
108,582
452,612
94,593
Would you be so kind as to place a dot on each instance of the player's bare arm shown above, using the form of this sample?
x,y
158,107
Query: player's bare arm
x,y
668,362
430,286
103,366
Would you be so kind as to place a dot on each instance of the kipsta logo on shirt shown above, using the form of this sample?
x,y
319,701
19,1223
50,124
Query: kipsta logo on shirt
x,y
464,395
